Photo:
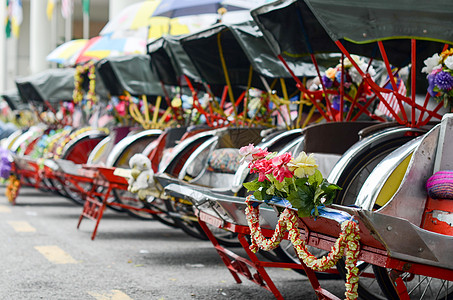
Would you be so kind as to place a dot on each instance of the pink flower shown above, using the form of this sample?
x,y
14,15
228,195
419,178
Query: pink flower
x,y
250,153
280,169
280,160
262,153
281,173
262,167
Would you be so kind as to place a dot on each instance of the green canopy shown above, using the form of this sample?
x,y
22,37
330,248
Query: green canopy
x,y
170,61
130,73
14,100
242,46
52,85
294,31
363,21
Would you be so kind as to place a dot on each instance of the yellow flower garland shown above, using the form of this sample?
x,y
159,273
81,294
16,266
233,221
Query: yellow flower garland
x,y
12,188
59,150
348,239
78,81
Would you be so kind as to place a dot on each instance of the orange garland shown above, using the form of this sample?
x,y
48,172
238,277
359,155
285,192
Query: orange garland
x,y
12,188
348,239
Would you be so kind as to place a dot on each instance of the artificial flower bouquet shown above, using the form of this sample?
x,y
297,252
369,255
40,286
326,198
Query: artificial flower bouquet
x,y
352,79
440,76
295,179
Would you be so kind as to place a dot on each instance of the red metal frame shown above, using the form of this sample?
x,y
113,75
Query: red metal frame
x,y
371,252
238,265
400,98
317,96
104,177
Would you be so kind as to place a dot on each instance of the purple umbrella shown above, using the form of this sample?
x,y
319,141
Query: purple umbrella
x,y
179,8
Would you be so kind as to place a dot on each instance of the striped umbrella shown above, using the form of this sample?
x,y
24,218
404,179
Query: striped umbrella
x,y
131,18
63,53
105,46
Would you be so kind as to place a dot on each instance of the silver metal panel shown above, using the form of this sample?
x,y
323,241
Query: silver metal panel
x,y
406,241
444,155
118,148
412,191
378,177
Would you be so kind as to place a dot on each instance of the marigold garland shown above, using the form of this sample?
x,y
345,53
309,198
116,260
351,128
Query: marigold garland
x,y
12,188
72,136
348,239
77,95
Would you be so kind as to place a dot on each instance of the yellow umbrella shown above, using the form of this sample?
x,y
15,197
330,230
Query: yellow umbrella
x,y
63,53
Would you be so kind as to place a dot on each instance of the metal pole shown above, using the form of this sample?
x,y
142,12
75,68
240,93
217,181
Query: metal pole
x,y
86,26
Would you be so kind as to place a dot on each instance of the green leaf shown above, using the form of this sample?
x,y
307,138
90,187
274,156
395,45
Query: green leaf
x,y
252,185
315,178
271,190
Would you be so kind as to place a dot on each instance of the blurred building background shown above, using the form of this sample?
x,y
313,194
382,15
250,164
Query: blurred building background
x,y
24,52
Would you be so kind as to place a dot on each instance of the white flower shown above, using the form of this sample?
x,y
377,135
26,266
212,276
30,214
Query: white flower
x,y
247,153
431,63
355,76
449,62
347,63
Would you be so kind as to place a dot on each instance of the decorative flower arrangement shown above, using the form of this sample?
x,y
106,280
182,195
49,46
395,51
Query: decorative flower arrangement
x,y
50,149
78,81
12,188
440,76
296,179
351,79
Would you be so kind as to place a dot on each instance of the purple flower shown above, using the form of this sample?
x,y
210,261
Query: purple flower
x,y
5,171
327,82
444,81
431,85
336,104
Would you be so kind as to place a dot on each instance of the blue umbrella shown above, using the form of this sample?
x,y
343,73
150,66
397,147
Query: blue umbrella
x,y
179,8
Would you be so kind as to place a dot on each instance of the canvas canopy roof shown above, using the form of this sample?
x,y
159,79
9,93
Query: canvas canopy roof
x,y
52,85
130,73
294,31
368,20
13,99
170,61
242,46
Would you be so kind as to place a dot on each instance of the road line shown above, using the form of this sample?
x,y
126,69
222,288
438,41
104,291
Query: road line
x,y
56,255
21,226
4,209
112,295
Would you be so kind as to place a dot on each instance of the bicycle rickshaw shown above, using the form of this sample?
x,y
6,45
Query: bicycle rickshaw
x,y
274,20
47,91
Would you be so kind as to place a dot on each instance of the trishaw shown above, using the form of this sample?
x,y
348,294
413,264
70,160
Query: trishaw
x,y
401,267
47,92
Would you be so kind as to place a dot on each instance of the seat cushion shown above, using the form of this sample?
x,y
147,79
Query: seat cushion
x,y
440,185
225,160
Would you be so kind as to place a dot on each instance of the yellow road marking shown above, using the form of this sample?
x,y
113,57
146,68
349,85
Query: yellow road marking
x,y
5,209
21,226
56,255
112,295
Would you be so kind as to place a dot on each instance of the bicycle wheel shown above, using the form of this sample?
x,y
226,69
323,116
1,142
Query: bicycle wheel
x,y
184,217
164,218
418,286
75,194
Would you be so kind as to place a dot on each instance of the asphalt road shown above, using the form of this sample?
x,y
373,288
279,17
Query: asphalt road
x,y
44,256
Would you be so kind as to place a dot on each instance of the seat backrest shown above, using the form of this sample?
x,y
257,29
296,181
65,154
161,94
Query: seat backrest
x,y
333,137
